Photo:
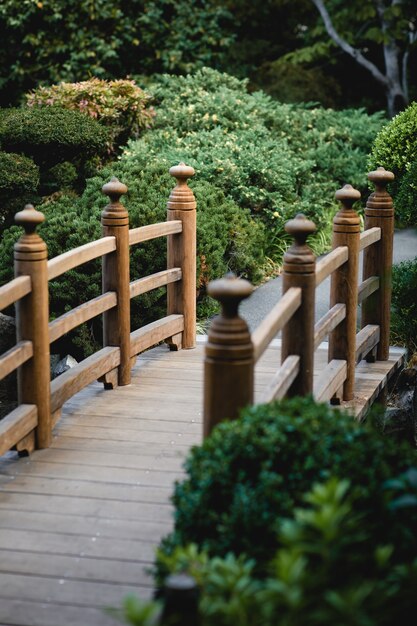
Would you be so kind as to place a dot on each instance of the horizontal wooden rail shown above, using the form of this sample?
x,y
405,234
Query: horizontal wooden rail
x,y
330,380
15,357
368,287
366,340
81,314
16,425
369,236
159,279
153,333
145,233
275,320
14,290
73,258
328,264
283,379
73,380
328,322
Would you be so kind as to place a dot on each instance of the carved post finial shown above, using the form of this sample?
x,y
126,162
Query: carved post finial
x,y
114,189
300,228
229,360
347,195
381,177
182,198
29,218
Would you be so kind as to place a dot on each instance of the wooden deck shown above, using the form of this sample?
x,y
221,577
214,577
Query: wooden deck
x,y
79,521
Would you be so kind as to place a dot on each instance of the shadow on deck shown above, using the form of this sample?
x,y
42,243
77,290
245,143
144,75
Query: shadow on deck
x,y
79,521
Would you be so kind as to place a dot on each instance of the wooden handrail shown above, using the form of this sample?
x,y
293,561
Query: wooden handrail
x,y
330,380
78,256
275,321
369,236
15,357
367,288
283,379
14,290
366,340
328,322
149,335
80,314
17,425
159,279
153,231
331,262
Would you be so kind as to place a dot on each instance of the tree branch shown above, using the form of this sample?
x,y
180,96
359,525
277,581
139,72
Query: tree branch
x,y
346,47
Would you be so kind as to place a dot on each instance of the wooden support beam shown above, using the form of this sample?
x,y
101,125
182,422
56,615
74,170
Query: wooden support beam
x,y
328,322
330,380
283,379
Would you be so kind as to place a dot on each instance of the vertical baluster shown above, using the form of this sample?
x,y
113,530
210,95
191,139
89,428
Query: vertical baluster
x,y
229,361
377,260
32,318
182,253
116,277
298,333
344,285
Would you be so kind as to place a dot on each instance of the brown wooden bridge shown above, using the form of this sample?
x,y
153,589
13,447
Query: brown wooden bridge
x,y
80,517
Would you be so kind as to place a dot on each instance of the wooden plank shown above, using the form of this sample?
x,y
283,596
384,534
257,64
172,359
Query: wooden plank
x,y
81,314
369,236
275,320
78,256
17,425
14,290
283,379
159,279
78,377
15,357
90,507
152,231
22,612
328,322
78,593
153,333
367,287
330,380
328,264
366,340
74,567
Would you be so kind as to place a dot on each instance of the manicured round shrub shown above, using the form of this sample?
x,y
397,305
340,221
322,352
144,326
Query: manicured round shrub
x,y
395,148
404,305
19,182
250,473
51,135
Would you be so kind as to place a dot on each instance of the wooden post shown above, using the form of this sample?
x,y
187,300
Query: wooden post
x,y
182,253
377,260
116,277
229,360
298,333
32,318
344,285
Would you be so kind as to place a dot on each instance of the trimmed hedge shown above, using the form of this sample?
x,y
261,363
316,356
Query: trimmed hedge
x,y
19,183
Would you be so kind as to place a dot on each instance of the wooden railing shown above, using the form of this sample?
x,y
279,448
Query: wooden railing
x,y
232,352
39,399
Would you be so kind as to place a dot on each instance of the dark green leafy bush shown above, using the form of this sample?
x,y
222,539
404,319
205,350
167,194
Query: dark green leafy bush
x,y
395,148
404,305
227,239
19,182
251,473
275,159
329,569
51,135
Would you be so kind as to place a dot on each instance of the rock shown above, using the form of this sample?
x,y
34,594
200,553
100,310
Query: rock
x,y
401,416
63,365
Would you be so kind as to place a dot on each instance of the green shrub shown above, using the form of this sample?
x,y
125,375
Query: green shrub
x,y
275,159
19,182
227,239
251,473
395,148
119,104
330,569
404,305
51,135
